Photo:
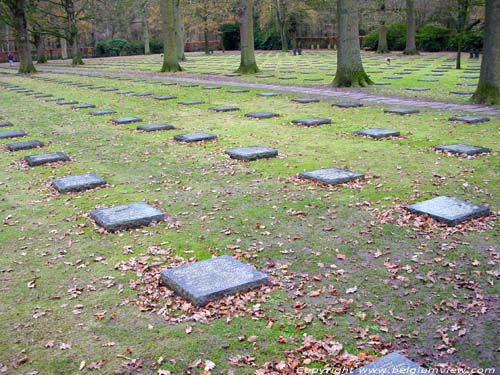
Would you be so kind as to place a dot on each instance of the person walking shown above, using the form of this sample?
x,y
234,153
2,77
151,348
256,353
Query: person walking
x,y
10,58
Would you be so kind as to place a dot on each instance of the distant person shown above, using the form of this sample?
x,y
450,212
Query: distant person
x,y
10,59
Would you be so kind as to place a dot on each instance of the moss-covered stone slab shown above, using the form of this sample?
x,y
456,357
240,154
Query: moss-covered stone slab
x,y
377,133
78,182
261,115
331,176
450,211
469,119
313,121
212,279
126,216
252,153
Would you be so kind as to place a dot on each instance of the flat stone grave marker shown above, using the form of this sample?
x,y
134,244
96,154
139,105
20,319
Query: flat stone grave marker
x,y
43,95
267,94
224,108
82,106
428,80
264,76
123,92
17,146
194,137
125,120
77,183
13,134
237,91
212,279
460,92
314,79
191,102
347,104
4,124
470,77
169,83
102,112
401,111
287,78
165,97
331,176
126,216
66,102
393,77
392,364
155,127
382,83
211,87
252,153
418,89
377,133
450,211
460,148
306,100
467,84
107,89
54,99
142,95
188,85
314,121
469,119
232,74
40,159
261,115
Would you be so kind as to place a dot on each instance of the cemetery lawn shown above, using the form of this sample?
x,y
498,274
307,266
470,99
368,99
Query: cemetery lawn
x,y
68,302
434,72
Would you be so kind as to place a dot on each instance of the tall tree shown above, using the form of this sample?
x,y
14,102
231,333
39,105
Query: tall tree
x,y
179,31
281,16
170,59
248,64
145,27
382,46
350,72
14,12
411,47
463,7
488,88
72,30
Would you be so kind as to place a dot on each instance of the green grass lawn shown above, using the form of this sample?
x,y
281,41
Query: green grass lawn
x,y
317,68
67,300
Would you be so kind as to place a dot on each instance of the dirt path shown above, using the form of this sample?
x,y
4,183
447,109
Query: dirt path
x,y
321,91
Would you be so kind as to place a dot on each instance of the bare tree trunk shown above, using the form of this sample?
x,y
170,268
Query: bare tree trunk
x,y
382,46
281,23
40,48
411,47
22,40
145,29
64,49
488,88
248,65
73,32
170,59
179,31
350,72
205,39
463,11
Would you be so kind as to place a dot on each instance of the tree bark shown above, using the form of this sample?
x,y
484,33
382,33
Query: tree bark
x,y
170,58
463,11
22,40
281,23
382,46
411,47
40,48
145,29
248,65
488,88
64,48
69,6
350,72
205,39
179,31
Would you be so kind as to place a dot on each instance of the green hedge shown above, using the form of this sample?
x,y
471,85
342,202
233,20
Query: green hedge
x,y
122,47
396,38
433,38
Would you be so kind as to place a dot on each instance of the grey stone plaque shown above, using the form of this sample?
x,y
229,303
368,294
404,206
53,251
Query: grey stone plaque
x,y
252,153
232,74
261,115
237,91
448,210
224,108
77,183
108,89
102,112
331,176
194,137
347,104
212,279
460,148
191,102
5,124
401,111
392,364
35,160
82,106
155,127
211,87
17,146
66,102
377,133
418,89
264,76
267,94
427,80
123,92
43,96
126,216
312,121
125,120
13,134
142,94
188,85
305,100
382,83
54,99
469,119
460,92
165,97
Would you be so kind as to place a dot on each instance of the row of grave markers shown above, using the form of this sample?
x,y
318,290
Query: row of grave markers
x,y
211,279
